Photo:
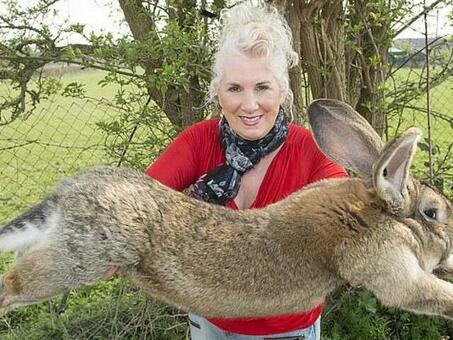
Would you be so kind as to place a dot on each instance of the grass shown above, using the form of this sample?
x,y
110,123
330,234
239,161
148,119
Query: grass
x,y
108,310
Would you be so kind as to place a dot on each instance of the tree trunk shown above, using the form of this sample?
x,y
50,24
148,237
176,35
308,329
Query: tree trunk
x,y
292,12
142,26
372,63
334,70
322,48
182,108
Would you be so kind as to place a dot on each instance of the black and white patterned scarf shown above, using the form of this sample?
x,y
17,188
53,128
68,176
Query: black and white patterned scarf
x,y
221,184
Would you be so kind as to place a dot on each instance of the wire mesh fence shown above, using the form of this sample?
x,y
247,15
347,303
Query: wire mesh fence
x,y
59,138
436,121
64,134
423,82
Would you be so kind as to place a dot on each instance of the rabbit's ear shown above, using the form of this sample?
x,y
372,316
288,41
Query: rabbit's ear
x,y
344,135
391,171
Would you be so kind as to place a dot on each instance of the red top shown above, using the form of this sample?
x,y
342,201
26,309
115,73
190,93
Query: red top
x,y
298,163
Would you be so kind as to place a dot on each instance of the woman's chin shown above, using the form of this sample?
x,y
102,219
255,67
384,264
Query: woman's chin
x,y
252,133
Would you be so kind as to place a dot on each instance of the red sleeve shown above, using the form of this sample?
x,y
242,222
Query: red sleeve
x,y
324,167
176,167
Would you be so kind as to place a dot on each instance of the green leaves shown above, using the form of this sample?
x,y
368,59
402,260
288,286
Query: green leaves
x,y
77,28
424,146
74,89
48,86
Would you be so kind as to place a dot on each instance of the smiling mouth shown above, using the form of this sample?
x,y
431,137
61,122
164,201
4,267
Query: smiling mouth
x,y
250,121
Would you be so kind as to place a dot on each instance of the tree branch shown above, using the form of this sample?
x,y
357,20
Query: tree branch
x,y
417,16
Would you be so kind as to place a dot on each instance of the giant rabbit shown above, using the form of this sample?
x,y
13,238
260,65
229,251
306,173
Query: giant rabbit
x,y
382,230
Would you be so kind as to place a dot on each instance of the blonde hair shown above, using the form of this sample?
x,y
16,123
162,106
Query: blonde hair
x,y
257,30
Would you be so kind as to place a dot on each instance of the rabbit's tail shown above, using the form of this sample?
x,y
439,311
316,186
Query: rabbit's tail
x,y
29,229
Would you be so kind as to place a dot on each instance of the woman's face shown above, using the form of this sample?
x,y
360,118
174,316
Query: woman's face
x,y
249,95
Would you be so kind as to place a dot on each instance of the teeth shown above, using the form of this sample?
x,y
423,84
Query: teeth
x,y
251,119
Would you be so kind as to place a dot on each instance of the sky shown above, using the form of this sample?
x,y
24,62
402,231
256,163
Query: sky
x,y
105,15
438,24
102,14
96,14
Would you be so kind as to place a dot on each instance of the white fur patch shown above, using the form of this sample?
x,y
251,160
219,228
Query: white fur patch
x,y
29,235
448,263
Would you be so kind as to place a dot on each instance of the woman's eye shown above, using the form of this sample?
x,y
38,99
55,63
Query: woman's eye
x,y
431,213
234,89
262,88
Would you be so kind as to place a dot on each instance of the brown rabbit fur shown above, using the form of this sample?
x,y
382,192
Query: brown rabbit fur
x,y
384,231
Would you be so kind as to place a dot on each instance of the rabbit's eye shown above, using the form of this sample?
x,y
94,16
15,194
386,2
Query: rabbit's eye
x,y
431,213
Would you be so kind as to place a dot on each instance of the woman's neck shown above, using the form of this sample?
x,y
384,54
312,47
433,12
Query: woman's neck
x,y
252,179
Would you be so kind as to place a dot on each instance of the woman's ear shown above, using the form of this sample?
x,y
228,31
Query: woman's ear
x,y
218,99
283,95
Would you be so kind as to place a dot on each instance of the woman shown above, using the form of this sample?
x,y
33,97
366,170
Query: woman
x,y
250,157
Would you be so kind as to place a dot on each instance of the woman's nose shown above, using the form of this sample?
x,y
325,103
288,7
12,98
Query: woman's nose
x,y
249,103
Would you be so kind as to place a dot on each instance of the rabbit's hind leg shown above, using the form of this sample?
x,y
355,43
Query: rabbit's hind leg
x,y
35,277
